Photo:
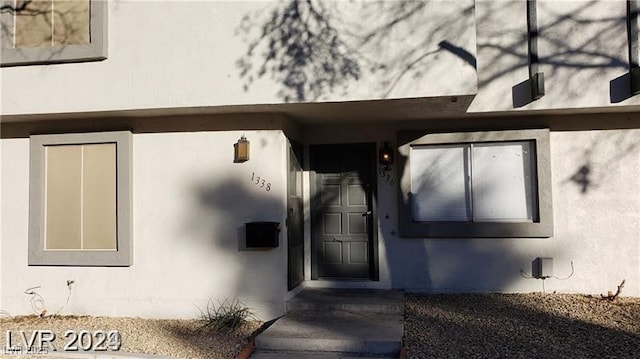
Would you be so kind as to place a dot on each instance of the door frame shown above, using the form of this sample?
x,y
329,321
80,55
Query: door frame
x,y
297,150
371,148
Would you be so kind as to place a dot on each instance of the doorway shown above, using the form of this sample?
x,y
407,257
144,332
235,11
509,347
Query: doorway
x,y
343,182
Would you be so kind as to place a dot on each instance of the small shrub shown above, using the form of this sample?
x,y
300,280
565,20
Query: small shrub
x,y
226,316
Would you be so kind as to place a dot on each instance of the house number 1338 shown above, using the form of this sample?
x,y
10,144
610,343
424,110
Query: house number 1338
x,y
256,180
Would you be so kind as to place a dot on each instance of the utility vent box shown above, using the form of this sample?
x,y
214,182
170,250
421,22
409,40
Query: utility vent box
x,y
542,268
262,234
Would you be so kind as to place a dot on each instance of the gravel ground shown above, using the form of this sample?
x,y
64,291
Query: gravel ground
x,y
521,326
175,338
437,326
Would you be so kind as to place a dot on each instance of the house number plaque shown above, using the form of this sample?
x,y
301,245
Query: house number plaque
x,y
260,182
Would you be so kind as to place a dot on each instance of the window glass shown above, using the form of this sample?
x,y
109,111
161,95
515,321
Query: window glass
x,y
80,197
63,200
503,182
43,23
440,183
99,196
478,182
33,23
71,22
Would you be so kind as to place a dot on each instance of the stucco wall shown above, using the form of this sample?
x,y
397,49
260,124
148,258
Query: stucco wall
x,y
165,54
189,208
596,205
219,55
583,53
191,201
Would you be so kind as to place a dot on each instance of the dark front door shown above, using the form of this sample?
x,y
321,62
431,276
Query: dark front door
x,y
295,219
341,211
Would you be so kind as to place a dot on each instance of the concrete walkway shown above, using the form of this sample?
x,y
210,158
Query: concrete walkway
x,y
336,323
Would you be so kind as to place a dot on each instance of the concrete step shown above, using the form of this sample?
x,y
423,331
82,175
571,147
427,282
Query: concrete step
x,y
351,300
305,355
369,334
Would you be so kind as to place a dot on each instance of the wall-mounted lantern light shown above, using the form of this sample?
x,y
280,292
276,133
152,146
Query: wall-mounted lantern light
x,y
385,156
241,150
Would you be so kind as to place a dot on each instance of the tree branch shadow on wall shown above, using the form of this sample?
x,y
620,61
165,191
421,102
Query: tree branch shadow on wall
x,y
313,49
225,208
597,59
599,161
560,51
457,324
304,52
224,205
221,204
455,264
581,178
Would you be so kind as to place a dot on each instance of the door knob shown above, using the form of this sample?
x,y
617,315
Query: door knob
x,y
366,213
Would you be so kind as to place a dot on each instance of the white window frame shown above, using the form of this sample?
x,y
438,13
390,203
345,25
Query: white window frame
x,y
123,255
542,224
95,50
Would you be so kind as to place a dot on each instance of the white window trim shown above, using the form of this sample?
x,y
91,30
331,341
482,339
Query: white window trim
x,y
541,228
123,256
96,50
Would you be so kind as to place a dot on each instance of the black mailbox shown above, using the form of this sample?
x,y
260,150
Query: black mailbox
x,y
262,234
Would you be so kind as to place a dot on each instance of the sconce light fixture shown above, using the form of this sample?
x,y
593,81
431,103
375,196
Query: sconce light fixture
x,y
241,150
385,156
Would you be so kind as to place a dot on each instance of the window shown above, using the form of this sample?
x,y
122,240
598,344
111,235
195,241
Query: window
x,y
478,184
80,199
53,31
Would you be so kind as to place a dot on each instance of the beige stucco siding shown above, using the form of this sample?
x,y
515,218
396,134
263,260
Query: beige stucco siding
x,y
191,202
155,61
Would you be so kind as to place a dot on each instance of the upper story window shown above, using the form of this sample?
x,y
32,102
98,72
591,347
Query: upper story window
x,y
52,31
